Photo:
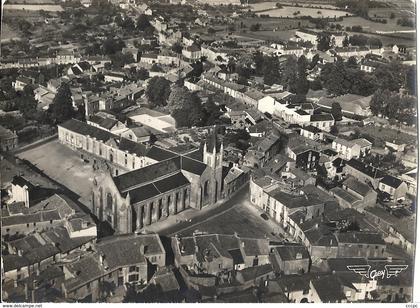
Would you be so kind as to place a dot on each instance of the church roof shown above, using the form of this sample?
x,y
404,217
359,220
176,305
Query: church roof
x,y
150,173
192,165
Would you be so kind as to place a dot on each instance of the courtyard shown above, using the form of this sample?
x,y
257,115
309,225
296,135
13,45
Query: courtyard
x,y
64,166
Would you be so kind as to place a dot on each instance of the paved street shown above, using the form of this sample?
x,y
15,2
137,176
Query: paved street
x,y
235,215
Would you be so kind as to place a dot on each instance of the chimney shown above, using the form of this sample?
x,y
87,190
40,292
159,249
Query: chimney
x,y
330,242
243,244
20,252
141,249
317,225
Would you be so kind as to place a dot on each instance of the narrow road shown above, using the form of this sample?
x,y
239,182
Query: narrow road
x,y
219,210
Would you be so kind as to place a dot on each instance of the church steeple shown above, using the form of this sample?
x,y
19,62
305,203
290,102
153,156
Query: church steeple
x,y
213,150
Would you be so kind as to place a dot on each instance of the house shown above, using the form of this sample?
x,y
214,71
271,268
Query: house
x,y
322,121
107,123
396,145
233,179
410,178
355,194
297,177
346,149
363,172
118,260
54,211
216,253
351,104
358,244
280,202
369,66
114,77
396,230
326,289
79,68
311,132
304,154
365,146
8,139
291,259
22,190
21,82
394,187
158,122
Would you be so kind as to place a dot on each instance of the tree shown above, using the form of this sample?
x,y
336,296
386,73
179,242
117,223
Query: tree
x,y
302,84
334,130
352,62
336,111
143,23
410,80
255,27
314,61
324,41
177,48
120,59
25,101
158,90
110,46
346,41
185,107
211,112
390,76
377,103
288,76
61,109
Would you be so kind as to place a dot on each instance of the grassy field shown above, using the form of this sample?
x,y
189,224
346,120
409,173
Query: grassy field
x,y
383,134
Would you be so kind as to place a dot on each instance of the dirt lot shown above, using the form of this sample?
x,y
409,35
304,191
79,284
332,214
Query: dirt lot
x,y
63,165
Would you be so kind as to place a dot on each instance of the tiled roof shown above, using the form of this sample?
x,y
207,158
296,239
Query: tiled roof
x,y
290,252
366,169
291,201
107,123
391,181
119,251
360,238
86,129
357,186
329,289
322,117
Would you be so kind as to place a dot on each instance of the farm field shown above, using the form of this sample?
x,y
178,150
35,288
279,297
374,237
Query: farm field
x,y
271,4
370,26
274,23
269,35
291,12
7,33
35,7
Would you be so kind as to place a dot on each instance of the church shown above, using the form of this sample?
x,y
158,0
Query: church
x,y
138,198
